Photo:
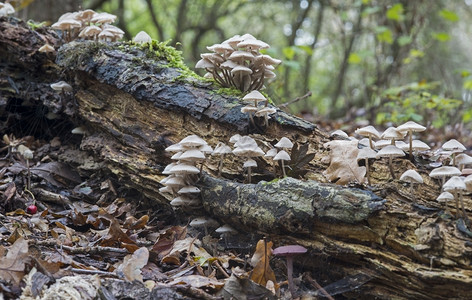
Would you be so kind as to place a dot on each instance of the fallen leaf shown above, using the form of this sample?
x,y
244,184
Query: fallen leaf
x,y
133,263
115,235
242,288
343,168
12,266
198,281
262,271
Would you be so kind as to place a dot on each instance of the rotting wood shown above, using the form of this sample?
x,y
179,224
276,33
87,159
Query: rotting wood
x,y
134,108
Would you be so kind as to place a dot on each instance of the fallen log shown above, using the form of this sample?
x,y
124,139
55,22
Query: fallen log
x,y
135,101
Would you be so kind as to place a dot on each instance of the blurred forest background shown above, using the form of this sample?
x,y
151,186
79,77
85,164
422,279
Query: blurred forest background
x,y
376,60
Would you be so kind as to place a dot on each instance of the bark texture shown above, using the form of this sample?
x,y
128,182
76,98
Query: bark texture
x,y
385,243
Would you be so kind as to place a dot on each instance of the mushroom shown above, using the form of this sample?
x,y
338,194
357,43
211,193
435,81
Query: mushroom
x,y
412,177
443,172
46,48
416,145
410,127
250,110
247,147
90,32
468,183
462,160
454,146
282,156
392,134
265,112
6,9
289,252
142,37
366,154
255,96
221,149
370,132
61,86
390,152
248,164
226,231
456,186
204,222
445,197
339,134
271,154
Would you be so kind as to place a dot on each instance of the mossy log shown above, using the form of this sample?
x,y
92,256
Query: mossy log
x,y
134,102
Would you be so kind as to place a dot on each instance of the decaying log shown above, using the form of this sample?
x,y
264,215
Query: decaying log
x,y
134,103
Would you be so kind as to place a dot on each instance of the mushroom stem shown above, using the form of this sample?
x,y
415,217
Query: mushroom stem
x,y
283,169
291,286
220,165
411,145
28,184
462,206
370,142
249,175
454,159
390,166
367,167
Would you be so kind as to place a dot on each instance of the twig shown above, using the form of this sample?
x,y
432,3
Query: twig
x,y
94,250
92,272
217,264
195,293
284,105
319,287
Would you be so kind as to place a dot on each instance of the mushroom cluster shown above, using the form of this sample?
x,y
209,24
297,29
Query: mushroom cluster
x,y
255,110
238,62
183,173
88,25
6,9
247,147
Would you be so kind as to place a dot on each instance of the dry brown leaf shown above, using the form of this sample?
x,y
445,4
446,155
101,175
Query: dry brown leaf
x,y
12,265
133,263
262,272
165,242
198,281
343,168
115,235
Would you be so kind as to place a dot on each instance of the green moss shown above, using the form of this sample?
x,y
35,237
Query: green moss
x,y
81,51
229,92
35,25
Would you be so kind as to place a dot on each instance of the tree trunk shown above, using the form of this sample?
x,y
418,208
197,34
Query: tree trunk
x,y
135,103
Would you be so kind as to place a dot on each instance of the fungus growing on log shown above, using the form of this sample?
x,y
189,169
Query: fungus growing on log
x,y
289,252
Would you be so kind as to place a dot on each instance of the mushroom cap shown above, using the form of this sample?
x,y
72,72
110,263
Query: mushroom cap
x,y
103,18
444,197
166,189
229,64
271,153
206,148
66,24
46,48
142,37
184,169
454,146
468,183
284,143
390,151
253,44
192,141
215,58
282,155
463,159
265,111
174,148
445,171
174,181
204,63
382,144
85,15
249,152
411,176
250,163
221,148
416,145
235,138
220,48
266,60
454,184
368,131
248,109
226,229
189,189
106,34
339,133
192,155
241,69
254,96
203,221
6,9
366,152
182,200
90,31
176,156
61,86
290,250
166,170
392,133
411,126
234,40
241,55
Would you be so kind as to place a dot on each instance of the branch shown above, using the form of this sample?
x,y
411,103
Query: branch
x,y
282,106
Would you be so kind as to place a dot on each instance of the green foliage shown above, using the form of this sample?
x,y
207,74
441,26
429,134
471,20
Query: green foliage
x,y
384,34
396,12
35,25
448,15
441,36
416,101
298,159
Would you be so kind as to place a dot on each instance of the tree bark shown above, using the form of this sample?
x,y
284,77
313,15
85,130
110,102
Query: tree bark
x,y
134,104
